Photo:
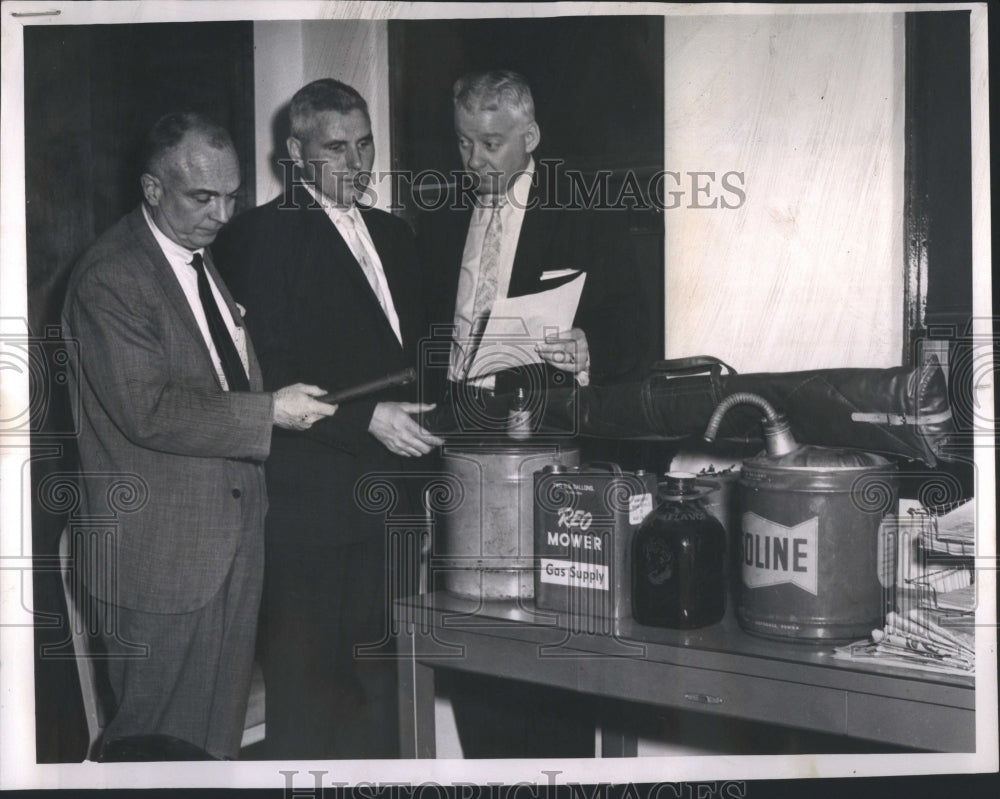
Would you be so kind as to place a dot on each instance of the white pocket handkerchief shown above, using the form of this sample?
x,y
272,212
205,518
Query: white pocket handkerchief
x,y
552,274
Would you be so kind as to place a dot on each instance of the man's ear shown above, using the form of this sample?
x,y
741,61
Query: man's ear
x,y
532,136
294,150
152,188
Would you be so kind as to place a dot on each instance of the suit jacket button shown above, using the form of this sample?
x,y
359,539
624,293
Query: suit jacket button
x,y
237,493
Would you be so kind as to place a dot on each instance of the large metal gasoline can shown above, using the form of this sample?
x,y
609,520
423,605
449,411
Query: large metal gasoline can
x,y
485,543
810,520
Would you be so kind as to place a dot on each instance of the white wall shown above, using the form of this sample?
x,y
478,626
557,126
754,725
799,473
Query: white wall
x,y
290,54
808,272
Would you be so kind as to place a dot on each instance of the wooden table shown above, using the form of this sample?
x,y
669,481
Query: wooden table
x,y
719,670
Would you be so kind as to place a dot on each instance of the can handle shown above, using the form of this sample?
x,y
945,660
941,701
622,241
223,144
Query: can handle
x,y
607,466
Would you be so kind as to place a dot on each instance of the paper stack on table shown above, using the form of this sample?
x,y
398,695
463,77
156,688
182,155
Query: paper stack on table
x,y
915,641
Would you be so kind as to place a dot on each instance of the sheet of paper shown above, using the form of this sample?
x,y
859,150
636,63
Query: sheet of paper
x,y
517,324
959,524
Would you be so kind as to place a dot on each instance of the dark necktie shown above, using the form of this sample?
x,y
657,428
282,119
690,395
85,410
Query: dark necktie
x,y
232,366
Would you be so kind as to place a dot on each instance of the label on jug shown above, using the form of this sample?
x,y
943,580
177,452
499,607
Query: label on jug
x,y
639,507
774,554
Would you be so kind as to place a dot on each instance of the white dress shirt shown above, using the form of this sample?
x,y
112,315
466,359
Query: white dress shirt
x,y
180,259
511,216
362,240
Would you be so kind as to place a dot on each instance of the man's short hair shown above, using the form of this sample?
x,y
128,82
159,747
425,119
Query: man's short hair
x,y
168,131
489,91
325,94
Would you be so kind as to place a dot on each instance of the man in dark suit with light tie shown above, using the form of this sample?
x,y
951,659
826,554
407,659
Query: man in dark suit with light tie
x,y
172,405
519,239
332,293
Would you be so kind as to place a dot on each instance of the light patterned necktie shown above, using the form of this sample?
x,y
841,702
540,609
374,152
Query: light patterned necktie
x,y
358,248
489,264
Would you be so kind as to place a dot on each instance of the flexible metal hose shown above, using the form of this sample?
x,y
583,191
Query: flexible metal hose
x,y
770,414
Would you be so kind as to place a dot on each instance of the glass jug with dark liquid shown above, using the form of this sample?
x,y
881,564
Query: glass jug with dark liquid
x,y
678,555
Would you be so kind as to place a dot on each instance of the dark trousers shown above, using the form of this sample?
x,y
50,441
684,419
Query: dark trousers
x,y
508,719
324,612
194,681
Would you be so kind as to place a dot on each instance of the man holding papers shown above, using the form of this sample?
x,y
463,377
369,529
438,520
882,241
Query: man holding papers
x,y
508,272
528,293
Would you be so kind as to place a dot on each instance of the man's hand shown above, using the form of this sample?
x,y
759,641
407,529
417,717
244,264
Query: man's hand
x,y
568,352
392,425
295,408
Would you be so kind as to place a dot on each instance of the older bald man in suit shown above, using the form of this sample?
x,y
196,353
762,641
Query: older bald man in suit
x,y
171,397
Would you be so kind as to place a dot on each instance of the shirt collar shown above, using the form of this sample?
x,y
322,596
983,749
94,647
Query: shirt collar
x,y
171,249
518,193
335,212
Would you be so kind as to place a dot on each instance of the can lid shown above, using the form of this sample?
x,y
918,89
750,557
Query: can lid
x,y
808,456
684,486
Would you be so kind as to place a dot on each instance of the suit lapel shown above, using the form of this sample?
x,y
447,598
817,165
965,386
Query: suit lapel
x,y
340,254
529,257
385,247
164,274
150,251
454,239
